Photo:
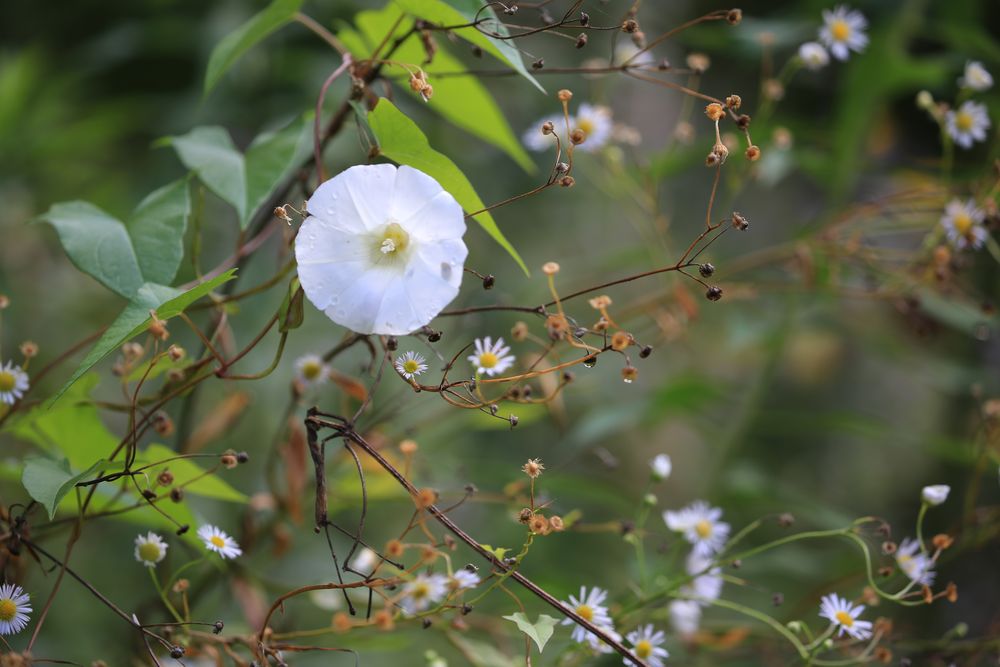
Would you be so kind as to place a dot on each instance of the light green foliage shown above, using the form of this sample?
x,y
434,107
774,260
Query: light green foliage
x,y
49,480
244,38
401,140
244,181
291,313
186,470
540,631
462,100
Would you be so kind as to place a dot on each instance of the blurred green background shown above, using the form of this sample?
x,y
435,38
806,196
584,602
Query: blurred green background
x,y
789,395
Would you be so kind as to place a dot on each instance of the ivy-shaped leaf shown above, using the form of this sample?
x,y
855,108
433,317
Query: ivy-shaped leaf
x,y
401,140
540,631
244,38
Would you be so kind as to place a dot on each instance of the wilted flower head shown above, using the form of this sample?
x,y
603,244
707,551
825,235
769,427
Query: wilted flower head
x,y
814,56
963,224
150,549
701,526
976,77
219,542
381,251
968,124
843,31
422,592
13,383
841,613
936,494
14,609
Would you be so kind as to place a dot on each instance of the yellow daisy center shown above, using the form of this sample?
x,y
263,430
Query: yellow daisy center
x,y
586,125
962,222
7,381
149,552
643,649
8,609
844,619
585,612
964,121
311,370
217,541
420,591
411,366
840,30
394,239
488,360
703,528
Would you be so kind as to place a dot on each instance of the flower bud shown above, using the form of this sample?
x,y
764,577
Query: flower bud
x,y
519,332
714,293
581,40
175,352
706,269
734,16
752,153
629,374
550,268
567,181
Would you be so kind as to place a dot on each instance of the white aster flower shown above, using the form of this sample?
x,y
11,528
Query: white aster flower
x,y
150,549
976,77
685,616
968,124
424,590
597,644
381,251
311,370
596,123
536,141
589,607
843,31
217,541
13,383
963,224
625,52
462,579
936,494
814,56
14,609
491,358
916,565
841,613
700,525
661,467
647,645
707,585
410,365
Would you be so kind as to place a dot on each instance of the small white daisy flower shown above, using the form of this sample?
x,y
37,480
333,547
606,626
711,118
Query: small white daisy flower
x,y
976,77
410,365
14,609
685,617
536,141
422,592
661,467
597,644
963,224
936,494
217,541
916,565
700,525
13,383
491,358
311,370
968,124
843,31
365,561
813,56
707,586
625,52
841,613
589,607
597,125
647,645
381,251
150,549
462,579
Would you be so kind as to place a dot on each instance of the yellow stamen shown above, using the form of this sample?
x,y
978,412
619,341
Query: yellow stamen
x,y
149,552
411,366
488,360
217,541
703,528
964,121
420,591
8,610
844,619
643,649
586,125
962,223
393,239
840,30
311,370
585,612
7,381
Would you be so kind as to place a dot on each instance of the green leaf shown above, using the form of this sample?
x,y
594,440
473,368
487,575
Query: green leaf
x,y
48,480
462,100
401,140
185,470
98,244
457,12
498,552
291,314
157,229
244,38
270,158
166,301
540,631
211,154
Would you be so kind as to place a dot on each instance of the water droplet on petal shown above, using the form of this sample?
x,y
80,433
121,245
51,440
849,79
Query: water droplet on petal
x,y
446,270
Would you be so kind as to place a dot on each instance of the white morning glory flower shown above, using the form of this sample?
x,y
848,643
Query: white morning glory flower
x,y
219,542
814,56
647,645
410,365
491,358
936,494
13,383
700,525
963,225
661,467
843,31
596,123
150,549
590,607
14,609
311,370
968,124
685,617
841,613
916,565
976,77
424,590
381,251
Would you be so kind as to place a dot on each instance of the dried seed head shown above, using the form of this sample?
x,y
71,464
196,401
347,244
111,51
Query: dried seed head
x,y
951,592
889,547
533,468
706,269
175,352
524,516
941,541
4,301
698,62
539,525
645,351
132,352
734,16
720,151
739,222
427,92
408,447
519,332
163,424
600,302
577,136
715,111
786,519
29,349
228,460
550,268
556,524
714,293
181,586
489,281
630,25
394,549
428,554
584,19
561,167
565,95
165,478
538,64
734,102
567,181
417,81
557,326
629,374
882,654
382,620
581,40
425,498
752,153
620,340
242,457
177,494
601,324
774,89
341,622
548,127
513,420
158,327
